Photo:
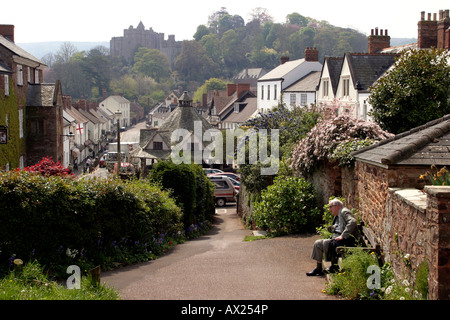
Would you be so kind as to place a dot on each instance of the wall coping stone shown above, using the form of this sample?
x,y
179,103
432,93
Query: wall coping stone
x,y
412,196
438,191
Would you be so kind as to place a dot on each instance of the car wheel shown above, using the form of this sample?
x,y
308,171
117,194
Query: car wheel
x,y
221,202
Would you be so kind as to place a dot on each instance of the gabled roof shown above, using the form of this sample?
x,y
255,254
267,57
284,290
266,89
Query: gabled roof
x,y
15,49
249,107
282,70
334,65
306,84
425,145
250,73
366,68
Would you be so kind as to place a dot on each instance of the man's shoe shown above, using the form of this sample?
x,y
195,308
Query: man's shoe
x,y
315,272
332,269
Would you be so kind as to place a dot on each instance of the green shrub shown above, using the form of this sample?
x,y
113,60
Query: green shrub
x,y
61,221
287,207
190,187
352,281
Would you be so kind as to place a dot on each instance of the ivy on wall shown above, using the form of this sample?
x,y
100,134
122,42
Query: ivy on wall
x,y
9,115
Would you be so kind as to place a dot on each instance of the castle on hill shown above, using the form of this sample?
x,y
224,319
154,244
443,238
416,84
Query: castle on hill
x,y
134,38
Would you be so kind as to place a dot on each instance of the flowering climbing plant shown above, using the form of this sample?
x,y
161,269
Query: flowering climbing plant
x,y
332,135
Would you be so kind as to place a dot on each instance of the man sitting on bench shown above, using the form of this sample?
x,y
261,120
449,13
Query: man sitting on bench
x,y
344,230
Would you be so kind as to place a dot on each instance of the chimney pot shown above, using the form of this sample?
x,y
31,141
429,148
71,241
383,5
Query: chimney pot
x,y
422,15
7,30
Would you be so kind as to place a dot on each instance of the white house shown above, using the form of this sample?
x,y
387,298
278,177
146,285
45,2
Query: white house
x,y
118,103
329,79
271,86
302,92
358,73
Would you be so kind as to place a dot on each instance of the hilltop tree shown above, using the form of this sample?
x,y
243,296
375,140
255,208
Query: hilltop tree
x,y
415,91
152,63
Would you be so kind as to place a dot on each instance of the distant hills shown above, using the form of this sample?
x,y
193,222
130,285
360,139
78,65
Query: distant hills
x,y
40,49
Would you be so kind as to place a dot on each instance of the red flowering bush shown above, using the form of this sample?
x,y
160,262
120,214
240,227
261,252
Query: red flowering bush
x,y
47,167
321,142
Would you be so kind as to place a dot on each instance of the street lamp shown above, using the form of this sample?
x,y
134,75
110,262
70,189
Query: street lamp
x,y
118,113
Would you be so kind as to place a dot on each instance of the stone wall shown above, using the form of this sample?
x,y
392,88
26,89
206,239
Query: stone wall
x,y
404,219
326,179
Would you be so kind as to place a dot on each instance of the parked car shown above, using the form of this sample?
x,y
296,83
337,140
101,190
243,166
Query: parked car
x,y
224,191
235,183
102,161
227,174
210,171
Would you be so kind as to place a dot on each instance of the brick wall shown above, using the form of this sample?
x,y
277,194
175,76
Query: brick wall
x,y
404,219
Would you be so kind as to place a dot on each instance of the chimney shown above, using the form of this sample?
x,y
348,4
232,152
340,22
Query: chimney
x,y
283,59
7,30
67,101
311,54
427,32
231,88
443,26
241,88
377,42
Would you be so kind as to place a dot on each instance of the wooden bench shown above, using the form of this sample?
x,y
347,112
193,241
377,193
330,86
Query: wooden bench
x,y
366,242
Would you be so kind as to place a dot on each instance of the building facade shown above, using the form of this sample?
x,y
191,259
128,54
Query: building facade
x,y
134,38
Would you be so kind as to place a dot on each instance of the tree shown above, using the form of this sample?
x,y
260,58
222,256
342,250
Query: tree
x,y
261,15
202,31
414,92
152,63
65,52
297,19
211,84
193,62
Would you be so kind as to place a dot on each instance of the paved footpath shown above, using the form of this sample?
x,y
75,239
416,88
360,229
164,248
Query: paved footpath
x,y
221,266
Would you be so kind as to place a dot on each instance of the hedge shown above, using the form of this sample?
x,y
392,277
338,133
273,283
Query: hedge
x,y
190,188
52,219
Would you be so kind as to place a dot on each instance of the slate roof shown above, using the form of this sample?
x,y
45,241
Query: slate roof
x,y
334,65
425,145
306,84
41,95
366,68
250,73
281,71
11,46
247,111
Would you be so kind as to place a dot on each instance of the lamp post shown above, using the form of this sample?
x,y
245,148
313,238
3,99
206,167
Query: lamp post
x,y
118,113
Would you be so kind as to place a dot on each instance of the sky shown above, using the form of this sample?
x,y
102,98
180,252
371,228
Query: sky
x,y
100,20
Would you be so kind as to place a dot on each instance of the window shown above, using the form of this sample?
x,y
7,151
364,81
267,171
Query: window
x,y
37,127
19,75
21,123
36,76
325,88
6,78
268,92
29,74
275,92
346,87
293,99
220,184
262,92
303,99
157,145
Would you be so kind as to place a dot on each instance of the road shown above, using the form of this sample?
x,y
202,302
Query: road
x,y
221,266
